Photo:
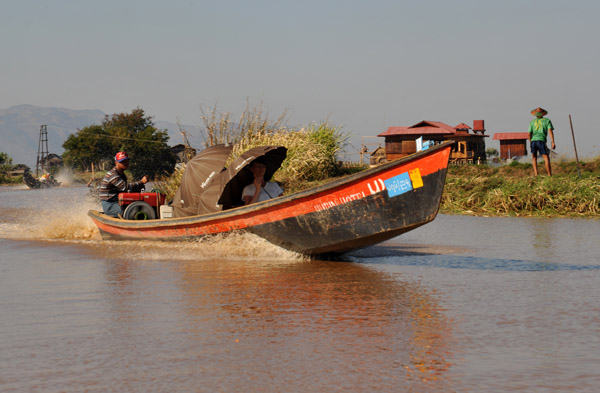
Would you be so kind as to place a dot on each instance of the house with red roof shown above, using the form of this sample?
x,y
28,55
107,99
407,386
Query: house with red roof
x,y
512,144
468,147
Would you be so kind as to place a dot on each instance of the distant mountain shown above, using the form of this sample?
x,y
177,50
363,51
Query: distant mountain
x,y
20,129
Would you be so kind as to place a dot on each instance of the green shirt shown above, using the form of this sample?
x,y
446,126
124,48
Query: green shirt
x,y
538,129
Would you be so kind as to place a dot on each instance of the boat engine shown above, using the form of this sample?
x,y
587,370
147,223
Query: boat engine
x,y
141,205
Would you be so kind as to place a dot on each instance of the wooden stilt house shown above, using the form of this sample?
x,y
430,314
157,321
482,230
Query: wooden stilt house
x,y
468,147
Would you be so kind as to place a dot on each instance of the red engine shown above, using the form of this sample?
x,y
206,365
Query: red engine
x,y
150,198
141,205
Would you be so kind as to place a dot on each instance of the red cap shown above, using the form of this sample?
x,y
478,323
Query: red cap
x,y
121,156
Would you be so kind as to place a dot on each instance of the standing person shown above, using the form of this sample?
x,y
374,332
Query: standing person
x,y
539,129
260,190
115,182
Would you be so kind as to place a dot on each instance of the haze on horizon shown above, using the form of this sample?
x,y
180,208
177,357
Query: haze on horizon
x,y
361,65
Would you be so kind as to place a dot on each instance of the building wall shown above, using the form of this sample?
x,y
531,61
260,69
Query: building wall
x,y
513,148
468,147
400,146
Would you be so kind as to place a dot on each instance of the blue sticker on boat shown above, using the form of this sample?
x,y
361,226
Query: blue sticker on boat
x,y
398,184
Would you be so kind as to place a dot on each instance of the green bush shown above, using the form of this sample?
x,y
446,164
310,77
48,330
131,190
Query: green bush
x,y
6,166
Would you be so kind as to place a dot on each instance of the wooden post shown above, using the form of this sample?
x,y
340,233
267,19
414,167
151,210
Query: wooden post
x,y
574,146
91,182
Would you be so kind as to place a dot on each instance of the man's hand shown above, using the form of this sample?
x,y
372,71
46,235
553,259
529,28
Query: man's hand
x,y
551,134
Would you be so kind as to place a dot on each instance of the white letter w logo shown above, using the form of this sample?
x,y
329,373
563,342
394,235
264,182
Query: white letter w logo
x,y
377,184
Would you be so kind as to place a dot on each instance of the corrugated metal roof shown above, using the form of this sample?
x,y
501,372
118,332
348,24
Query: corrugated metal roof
x,y
462,126
393,131
421,128
503,136
438,124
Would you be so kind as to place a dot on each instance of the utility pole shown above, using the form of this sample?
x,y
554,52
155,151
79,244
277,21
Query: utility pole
x,y
41,163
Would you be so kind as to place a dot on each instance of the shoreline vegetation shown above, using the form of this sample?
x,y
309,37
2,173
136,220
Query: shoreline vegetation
x,y
312,151
313,158
504,191
512,190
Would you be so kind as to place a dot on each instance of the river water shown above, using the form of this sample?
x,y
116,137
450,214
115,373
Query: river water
x,y
463,304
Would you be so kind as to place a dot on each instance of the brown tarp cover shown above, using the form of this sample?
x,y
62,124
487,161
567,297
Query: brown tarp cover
x,y
198,182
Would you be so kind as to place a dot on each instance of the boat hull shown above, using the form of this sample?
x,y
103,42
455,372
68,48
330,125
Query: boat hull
x,y
356,224
346,214
34,183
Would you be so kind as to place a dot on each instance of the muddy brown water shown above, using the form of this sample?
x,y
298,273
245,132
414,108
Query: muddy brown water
x,y
463,304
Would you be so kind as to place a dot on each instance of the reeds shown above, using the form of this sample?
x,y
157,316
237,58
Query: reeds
x,y
220,127
312,154
169,185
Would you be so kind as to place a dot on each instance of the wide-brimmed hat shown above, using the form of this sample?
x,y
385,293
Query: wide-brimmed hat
x,y
121,156
539,111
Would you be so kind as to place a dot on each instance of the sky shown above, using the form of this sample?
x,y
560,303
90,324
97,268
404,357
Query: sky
x,y
362,66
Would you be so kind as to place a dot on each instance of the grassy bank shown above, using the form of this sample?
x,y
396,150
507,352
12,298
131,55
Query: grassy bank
x,y
509,190
512,190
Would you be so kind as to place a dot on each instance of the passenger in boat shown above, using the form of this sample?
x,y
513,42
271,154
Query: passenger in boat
x,y
115,182
260,190
539,129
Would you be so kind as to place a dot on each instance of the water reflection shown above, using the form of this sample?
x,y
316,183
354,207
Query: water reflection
x,y
542,236
474,263
330,314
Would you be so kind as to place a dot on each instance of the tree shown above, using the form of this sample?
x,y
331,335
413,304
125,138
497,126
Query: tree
x,y
91,144
5,167
5,159
133,133
5,163
491,152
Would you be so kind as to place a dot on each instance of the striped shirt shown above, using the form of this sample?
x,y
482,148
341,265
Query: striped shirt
x,y
114,183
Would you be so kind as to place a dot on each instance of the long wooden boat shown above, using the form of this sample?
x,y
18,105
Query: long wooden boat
x,y
346,214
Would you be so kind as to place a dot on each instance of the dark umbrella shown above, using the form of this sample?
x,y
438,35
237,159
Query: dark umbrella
x,y
238,175
197,180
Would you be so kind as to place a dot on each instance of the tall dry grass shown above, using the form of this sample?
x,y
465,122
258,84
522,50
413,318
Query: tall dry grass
x,y
220,127
312,151
312,154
